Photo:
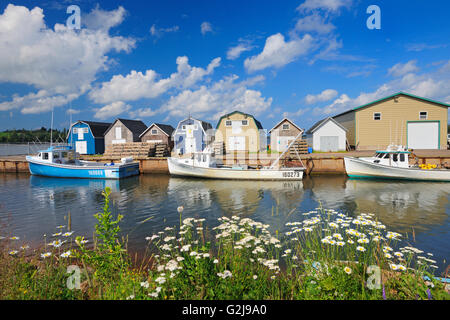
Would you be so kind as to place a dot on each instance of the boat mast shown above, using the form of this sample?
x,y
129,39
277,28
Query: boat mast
x,y
51,130
286,150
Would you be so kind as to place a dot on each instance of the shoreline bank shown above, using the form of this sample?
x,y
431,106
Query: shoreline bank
x,y
316,163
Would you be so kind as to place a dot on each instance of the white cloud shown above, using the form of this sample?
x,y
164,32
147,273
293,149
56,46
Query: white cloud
x,y
337,105
296,114
400,69
60,63
142,113
325,95
327,5
159,32
99,19
235,52
206,27
72,111
111,110
417,47
41,101
221,97
433,85
314,23
315,20
137,85
277,52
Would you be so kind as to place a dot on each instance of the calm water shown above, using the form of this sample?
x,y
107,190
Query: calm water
x,y
31,206
7,149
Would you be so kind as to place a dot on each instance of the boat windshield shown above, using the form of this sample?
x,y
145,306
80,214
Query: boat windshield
x,y
381,155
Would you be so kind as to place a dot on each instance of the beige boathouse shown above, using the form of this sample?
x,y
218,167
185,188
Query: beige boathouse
x,y
401,119
239,131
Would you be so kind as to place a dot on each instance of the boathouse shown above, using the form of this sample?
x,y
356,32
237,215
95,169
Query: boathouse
x,y
87,137
327,135
123,131
192,135
282,134
401,118
158,133
239,131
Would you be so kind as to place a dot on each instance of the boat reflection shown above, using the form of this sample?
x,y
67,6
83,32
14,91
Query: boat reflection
x,y
402,205
259,200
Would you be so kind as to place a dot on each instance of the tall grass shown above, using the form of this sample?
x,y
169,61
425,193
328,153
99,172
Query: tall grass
x,y
327,255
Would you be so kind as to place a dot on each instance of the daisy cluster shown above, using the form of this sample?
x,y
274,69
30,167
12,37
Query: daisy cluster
x,y
360,234
246,238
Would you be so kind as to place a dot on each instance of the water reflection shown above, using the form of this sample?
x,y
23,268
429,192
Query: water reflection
x,y
401,205
34,206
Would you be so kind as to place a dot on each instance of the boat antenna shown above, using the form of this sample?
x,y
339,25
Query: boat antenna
x,y
70,128
51,130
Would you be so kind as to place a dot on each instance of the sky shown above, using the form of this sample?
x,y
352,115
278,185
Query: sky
x,y
161,61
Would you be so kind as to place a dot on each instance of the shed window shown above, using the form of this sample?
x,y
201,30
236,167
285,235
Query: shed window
x,y
228,123
377,116
183,127
74,130
244,122
154,131
118,133
423,115
286,126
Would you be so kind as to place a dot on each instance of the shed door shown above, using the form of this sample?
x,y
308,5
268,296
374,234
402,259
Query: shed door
x,y
423,135
329,143
190,144
236,143
81,147
283,143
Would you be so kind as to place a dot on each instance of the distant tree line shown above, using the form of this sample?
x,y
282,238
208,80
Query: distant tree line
x,y
39,135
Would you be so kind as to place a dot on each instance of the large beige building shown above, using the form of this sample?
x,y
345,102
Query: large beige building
x,y
240,131
401,119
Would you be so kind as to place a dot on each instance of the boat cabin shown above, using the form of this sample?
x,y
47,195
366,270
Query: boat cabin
x,y
60,155
204,159
392,158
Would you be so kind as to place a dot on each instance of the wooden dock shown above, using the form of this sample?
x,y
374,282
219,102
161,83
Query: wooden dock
x,y
316,163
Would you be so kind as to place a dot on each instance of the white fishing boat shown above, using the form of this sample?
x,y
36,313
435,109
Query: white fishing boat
x,y
393,163
204,165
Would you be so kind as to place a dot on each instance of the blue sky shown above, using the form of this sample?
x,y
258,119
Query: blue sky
x,y
160,61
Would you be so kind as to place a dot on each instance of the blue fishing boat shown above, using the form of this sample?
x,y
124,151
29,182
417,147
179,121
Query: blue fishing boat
x,y
61,161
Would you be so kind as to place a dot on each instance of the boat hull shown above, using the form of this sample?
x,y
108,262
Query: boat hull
x,y
91,170
179,169
357,168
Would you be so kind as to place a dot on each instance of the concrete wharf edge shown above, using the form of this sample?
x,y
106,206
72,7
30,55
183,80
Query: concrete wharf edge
x,y
316,163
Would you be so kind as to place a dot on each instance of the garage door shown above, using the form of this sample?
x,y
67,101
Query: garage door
x,y
423,135
236,143
329,143
81,147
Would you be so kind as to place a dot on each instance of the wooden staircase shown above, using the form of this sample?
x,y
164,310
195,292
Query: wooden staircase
x,y
300,146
